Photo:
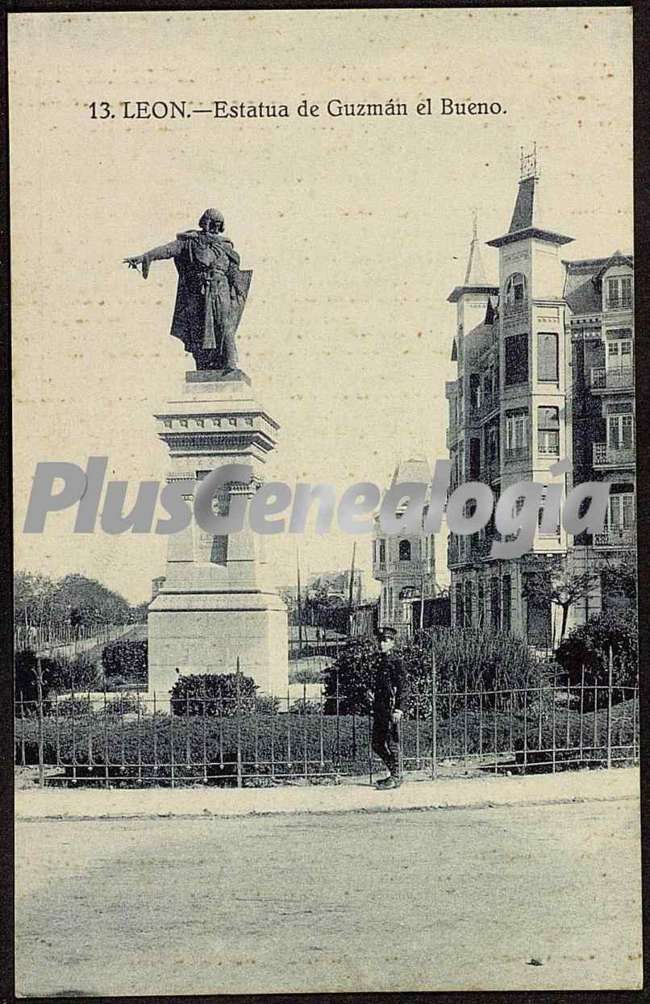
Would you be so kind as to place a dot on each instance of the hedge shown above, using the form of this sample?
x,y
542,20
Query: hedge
x,y
132,745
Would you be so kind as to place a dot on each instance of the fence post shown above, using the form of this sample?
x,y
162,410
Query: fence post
x,y
106,754
434,715
582,709
338,724
609,706
553,718
525,728
239,764
22,731
39,694
634,724
203,729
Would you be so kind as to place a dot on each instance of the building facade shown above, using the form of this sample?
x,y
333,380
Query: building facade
x,y
404,564
544,372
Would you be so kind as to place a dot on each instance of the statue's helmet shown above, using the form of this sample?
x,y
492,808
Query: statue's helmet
x,y
210,218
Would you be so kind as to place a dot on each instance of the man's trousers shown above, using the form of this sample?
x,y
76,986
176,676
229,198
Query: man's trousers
x,y
385,743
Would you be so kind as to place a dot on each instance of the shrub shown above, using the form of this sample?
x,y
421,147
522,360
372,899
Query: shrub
x,y
77,674
124,704
266,705
588,645
305,707
126,658
465,658
69,707
353,673
25,675
213,694
305,674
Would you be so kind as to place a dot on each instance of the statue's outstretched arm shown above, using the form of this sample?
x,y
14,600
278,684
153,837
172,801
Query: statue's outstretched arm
x,y
156,254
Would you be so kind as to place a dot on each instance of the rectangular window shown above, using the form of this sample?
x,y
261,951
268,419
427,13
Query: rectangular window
x,y
619,293
474,459
475,390
548,429
547,356
487,390
619,354
548,532
493,446
621,512
382,552
516,433
620,432
516,357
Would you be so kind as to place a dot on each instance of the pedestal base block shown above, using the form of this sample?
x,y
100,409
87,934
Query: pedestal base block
x,y
207,633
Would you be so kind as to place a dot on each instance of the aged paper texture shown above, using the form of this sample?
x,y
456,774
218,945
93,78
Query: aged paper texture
x,y
417,248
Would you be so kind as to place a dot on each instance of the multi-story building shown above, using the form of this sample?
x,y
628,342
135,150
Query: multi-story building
x,y
600,329
544,372
404,564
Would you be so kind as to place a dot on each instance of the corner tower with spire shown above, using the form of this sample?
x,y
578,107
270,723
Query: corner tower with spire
x,y
509,409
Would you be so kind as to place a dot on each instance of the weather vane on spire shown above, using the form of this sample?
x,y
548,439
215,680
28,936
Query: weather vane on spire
x,y
528,163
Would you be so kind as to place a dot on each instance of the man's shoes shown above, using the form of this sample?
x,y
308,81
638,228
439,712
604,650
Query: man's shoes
x,y
389,782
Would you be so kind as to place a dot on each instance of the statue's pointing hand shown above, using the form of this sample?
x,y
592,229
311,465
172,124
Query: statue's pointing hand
x,y
135,262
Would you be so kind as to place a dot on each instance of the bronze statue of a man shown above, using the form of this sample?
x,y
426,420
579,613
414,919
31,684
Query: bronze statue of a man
x,y
211,292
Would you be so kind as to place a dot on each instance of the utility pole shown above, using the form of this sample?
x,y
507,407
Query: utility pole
x,y
299,604
350,590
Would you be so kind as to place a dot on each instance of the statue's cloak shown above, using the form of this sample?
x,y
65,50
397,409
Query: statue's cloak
x,y
209,301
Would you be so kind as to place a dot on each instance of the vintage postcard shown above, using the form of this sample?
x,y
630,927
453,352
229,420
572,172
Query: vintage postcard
x,y
324,483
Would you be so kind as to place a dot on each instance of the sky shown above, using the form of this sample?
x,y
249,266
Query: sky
x,y
356,229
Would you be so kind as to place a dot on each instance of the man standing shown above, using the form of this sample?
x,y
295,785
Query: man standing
x,y
211,293
389,701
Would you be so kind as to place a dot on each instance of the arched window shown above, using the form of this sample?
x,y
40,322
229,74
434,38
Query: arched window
x,y
515,293
404,550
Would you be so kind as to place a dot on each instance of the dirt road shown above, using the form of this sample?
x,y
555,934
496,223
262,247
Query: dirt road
x,y
420,900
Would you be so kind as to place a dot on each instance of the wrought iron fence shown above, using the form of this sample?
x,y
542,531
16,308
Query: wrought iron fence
x,y
64,639
137,740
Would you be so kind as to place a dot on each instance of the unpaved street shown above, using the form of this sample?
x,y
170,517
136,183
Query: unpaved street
x,y
405,900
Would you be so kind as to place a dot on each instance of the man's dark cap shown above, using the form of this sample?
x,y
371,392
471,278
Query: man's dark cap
x,y
386,632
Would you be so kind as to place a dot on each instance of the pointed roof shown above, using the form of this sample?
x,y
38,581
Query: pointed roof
x,y
526,216
583,279
475,277
475,273
412,469
618,258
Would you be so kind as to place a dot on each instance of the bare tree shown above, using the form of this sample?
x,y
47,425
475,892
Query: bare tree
x,y
550,580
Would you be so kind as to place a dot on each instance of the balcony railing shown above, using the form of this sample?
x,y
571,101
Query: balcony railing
x,y
608,456
604,378
615,536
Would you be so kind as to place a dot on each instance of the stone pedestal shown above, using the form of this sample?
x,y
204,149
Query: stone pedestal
x,y
217,602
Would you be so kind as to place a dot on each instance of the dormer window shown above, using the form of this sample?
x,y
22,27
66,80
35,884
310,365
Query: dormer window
x,y
619,293
515,293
